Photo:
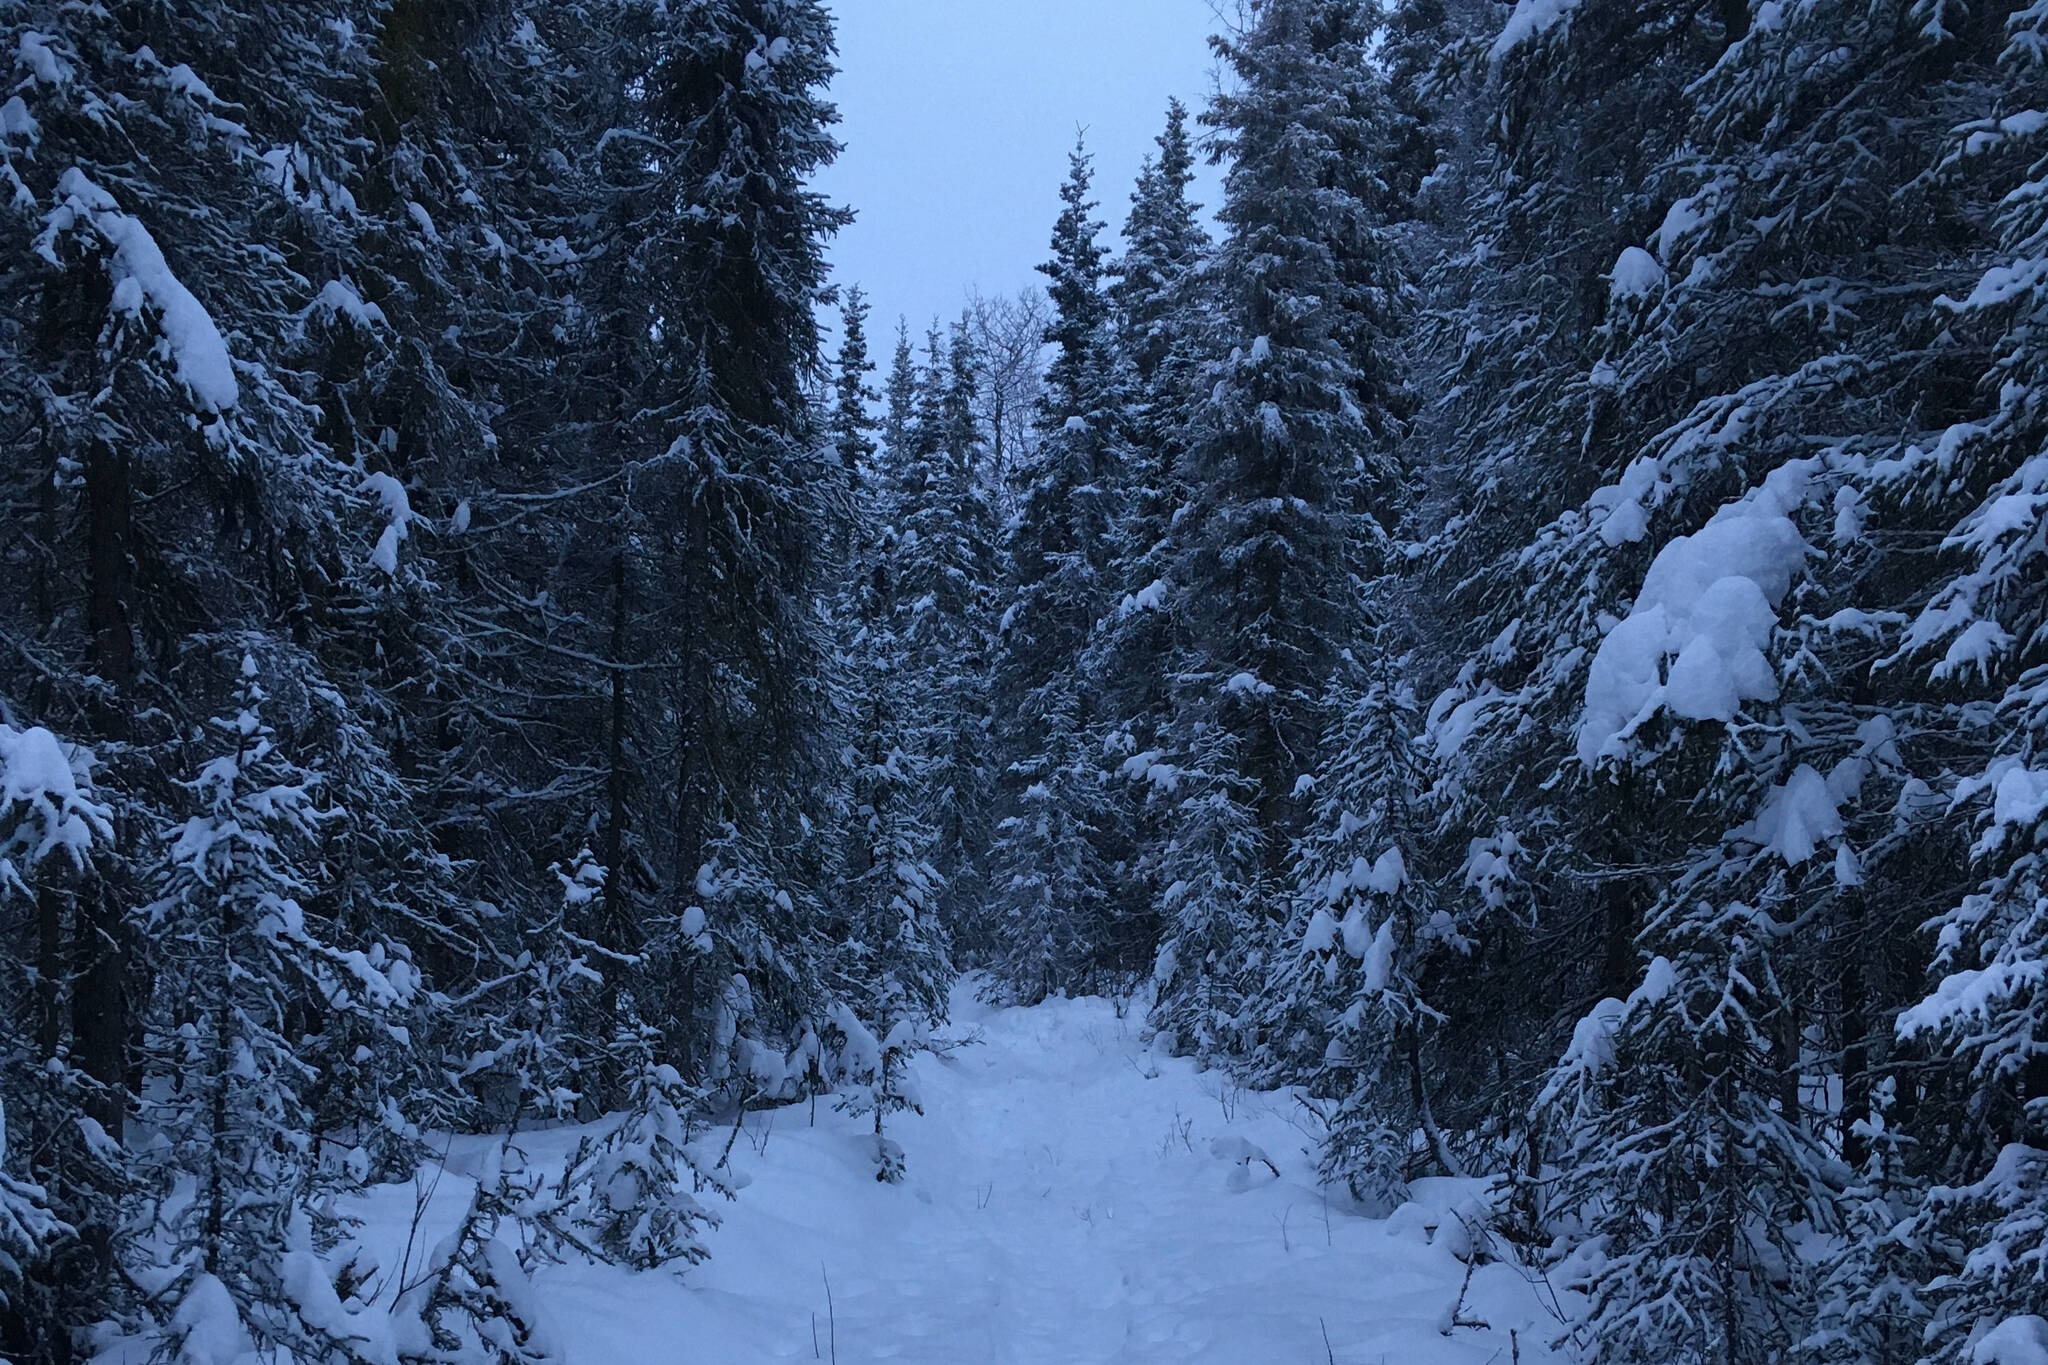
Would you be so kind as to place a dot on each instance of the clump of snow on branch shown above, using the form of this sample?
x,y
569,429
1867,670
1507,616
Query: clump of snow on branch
x,y
1531,19
1694,641
142,276
46,803
398,517
1636,275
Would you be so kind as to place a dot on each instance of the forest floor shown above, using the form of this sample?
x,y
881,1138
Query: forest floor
x,y
1073,1196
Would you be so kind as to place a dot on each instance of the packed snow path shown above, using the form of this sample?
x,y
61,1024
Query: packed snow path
x,y
1073,1197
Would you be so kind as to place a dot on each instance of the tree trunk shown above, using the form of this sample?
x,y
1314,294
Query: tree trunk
x,y
109,501
618,931
695,789
1855,1036
99,997
1419,1094
50,967
1788,1050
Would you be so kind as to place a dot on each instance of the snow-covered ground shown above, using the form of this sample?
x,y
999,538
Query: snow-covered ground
x,y
1073,1197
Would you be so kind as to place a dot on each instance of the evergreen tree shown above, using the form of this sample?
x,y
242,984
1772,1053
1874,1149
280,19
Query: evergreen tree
x,y
57,1188
1869,1306
236,948
945,526
1160,311
637,732
852,421
473,1303
1290,459
1354,1010
1052,886
1980,632
26,1227
1758,817
630,1197
729,485
530,1051
894,972
900,401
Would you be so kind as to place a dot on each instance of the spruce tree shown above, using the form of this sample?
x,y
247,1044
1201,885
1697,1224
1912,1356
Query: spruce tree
x,y
1052,886
1291,458
852,421
236,948
730,486
1160,311
1350,1006
473,1302
57,1185
943,591
630,1197
893,970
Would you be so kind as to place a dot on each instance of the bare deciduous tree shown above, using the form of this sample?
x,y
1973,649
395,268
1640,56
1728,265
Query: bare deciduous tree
x,y
1008,332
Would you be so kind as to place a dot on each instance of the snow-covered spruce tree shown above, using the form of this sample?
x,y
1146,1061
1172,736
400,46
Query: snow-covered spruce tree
x,y
1981,633
381,1079
1165,243
1869,1304
1703,1114
1758,815
1292,452
235,949
946,539
853,398
473,1302
891,971
728,125
1159,311
899,405
1349,1010
534,1045
873,1072
1052,886
460,364
1690,1179
626,1198
630,1197
1159,308
151,299
26,1227
1555,155
1209,867
56,1185
1677,373
144,296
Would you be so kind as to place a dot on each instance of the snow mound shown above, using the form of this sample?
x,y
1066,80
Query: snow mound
x,y
208,1327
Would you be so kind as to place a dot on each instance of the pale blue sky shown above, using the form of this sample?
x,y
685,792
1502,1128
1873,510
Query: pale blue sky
x,y
958,117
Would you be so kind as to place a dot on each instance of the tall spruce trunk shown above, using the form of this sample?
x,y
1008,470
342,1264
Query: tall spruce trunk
x,y
100,990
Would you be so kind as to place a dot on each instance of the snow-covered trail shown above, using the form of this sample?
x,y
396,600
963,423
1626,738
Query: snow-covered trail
x,y
1065,1205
